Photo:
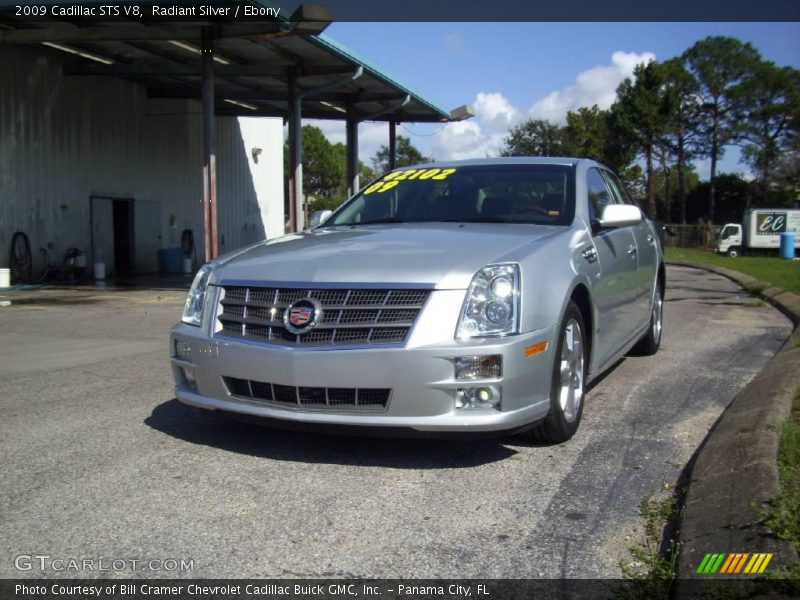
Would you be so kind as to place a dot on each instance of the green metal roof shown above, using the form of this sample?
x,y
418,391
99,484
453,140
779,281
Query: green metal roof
x,y
356,58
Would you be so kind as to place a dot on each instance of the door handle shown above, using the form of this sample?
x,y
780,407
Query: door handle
x,y
590,254
632,250
650,238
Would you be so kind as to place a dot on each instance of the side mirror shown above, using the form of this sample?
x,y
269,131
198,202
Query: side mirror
x,y
318,217
620,215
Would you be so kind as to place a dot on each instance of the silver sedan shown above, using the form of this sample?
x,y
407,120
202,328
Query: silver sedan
x,y
463,297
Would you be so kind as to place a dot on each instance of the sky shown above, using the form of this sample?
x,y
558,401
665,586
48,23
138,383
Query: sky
x,y
509,72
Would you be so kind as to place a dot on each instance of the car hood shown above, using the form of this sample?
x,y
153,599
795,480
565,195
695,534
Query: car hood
x,y
444,255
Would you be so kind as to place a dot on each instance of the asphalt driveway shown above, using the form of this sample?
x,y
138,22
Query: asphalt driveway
x,y
99,460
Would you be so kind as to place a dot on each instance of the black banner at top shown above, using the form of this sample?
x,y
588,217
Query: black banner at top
x,y
407,10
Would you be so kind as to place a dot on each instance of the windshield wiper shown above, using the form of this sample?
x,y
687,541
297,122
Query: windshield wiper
x,y
466,220
479,220
374,222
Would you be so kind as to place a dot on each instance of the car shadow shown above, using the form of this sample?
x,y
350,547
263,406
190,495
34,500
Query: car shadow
x,y
215,430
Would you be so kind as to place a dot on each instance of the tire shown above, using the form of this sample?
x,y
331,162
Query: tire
x,y
567,388
651,342
733,251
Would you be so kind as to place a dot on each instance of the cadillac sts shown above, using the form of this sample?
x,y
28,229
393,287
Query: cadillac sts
x,y
469,297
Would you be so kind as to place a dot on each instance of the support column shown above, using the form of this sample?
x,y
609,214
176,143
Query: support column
x,y
296,211
209,152
392,145
352,151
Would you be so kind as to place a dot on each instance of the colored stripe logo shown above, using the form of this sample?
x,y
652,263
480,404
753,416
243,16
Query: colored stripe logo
x,y
734,563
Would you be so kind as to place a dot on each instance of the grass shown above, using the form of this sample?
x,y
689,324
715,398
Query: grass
x,y
779,272
652,570
755,288
784,512
754,304
651,573
784,517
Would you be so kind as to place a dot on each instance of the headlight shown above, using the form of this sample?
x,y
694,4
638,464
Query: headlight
x,y
492,304
193,310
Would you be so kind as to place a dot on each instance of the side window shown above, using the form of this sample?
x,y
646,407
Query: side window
x,y
620,193
599,197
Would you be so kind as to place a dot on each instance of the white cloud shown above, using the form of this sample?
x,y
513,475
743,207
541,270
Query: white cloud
x,y
481,135
371,136
454,43
494,110
465,139
484,134
476,138
597,85
335,131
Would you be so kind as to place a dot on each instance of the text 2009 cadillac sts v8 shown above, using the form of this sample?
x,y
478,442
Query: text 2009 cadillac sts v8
x,y
471,296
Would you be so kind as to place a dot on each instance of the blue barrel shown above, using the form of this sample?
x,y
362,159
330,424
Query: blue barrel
x,y
170,260
787,245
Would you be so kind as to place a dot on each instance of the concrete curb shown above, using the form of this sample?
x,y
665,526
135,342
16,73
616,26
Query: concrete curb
x,y
734,472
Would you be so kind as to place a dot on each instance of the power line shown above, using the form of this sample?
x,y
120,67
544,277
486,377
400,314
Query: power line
x,y
423,134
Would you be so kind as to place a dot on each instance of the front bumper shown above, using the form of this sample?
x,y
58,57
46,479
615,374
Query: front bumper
x,y
422,381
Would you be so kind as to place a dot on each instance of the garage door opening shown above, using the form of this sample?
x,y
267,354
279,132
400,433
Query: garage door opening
x,y
111,222
123,237
125,234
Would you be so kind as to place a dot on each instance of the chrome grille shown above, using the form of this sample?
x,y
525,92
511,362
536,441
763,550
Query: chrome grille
x,y
349,316
362,399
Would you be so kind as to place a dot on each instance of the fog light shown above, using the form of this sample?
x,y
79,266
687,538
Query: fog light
x,y
478,397
189,379
183,351
479,367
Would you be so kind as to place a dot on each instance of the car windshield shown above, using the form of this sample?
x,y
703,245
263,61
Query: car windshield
x,y
538,194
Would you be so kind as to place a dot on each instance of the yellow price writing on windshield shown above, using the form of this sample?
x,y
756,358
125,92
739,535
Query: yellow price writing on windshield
x,y
393,179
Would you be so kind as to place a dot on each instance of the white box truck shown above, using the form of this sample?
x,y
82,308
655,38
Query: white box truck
x,y
762,230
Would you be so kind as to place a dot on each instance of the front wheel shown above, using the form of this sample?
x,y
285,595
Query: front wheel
x,y
651,341
733,251
567,383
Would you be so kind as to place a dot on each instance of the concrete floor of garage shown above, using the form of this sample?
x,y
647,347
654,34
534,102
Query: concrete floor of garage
x,y
172,281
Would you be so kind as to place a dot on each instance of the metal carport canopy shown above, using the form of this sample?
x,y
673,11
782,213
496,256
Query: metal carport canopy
x,y
275,67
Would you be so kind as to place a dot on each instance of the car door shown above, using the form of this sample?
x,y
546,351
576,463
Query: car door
x,y
614,271
646,252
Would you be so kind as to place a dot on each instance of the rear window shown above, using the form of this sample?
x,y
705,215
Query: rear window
x,y
536,194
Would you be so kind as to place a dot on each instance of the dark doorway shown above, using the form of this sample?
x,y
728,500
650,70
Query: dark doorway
x,y
123,237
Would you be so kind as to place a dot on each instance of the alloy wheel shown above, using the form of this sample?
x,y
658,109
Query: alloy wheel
x,y
571,393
